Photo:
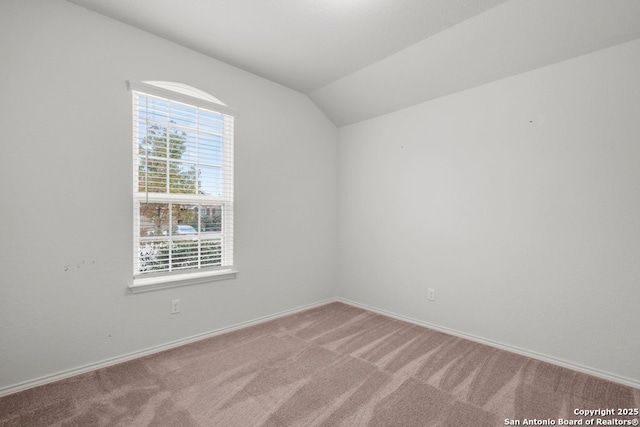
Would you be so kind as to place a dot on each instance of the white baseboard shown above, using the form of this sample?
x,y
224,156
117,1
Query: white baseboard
x,y
544,358
152,350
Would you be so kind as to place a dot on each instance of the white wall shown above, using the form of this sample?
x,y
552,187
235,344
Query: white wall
x,y
65,191
517,201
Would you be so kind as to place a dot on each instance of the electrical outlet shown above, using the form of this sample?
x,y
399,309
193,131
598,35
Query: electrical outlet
x,y
175,306
431,294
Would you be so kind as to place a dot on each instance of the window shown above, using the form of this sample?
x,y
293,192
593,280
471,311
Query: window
x,y
182,186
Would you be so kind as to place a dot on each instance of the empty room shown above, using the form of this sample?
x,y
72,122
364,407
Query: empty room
x,y
319,212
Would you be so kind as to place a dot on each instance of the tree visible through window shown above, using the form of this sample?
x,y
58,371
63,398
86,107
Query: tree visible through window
x,y
183,185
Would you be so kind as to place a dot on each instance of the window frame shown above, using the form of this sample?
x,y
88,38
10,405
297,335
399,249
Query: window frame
x,y
191,97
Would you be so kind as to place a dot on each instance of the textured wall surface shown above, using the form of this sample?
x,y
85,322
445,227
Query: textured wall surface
x,y
516,201
66,171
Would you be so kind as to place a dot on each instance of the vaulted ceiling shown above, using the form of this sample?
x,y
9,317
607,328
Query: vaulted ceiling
x,y
358,59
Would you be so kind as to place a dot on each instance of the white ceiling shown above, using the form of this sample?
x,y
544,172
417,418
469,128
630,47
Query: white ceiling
x,y
357,59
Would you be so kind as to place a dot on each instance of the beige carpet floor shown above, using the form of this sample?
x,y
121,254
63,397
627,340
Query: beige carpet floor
x,y
334,365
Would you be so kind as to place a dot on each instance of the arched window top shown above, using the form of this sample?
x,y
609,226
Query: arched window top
x,y
185,90
181,92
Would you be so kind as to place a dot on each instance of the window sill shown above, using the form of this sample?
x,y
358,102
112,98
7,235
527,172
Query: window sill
x,y
147,284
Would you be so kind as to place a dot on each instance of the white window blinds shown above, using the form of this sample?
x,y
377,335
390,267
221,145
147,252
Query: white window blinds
x,y
183,185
